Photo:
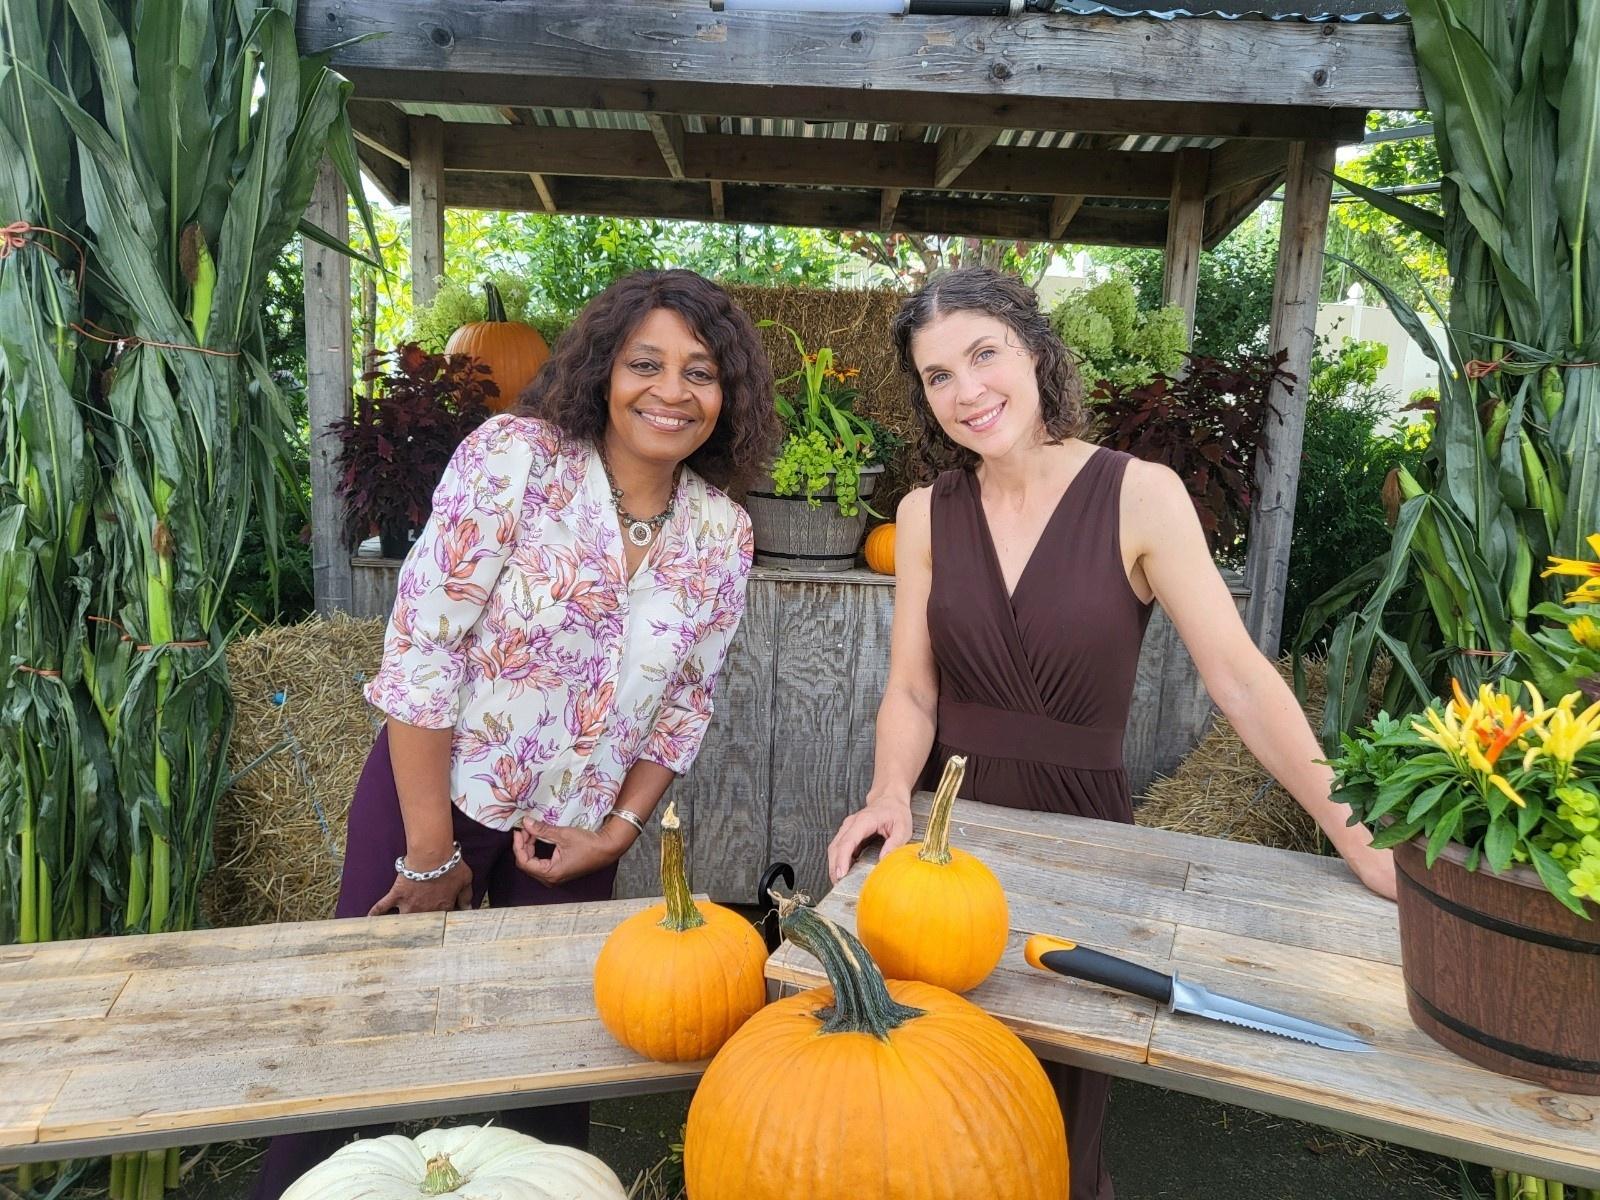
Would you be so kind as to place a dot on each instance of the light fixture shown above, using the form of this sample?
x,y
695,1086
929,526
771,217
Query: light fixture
x,y
914,8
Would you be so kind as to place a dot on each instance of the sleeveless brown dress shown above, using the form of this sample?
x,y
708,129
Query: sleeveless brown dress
x,y
1035,687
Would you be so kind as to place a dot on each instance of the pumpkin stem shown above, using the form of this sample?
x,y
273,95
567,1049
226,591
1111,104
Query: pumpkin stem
x,y
442,1176
861,1001
936,842
682,913
494,307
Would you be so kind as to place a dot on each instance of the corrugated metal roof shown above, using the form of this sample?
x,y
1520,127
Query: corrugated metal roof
x,y
1358,11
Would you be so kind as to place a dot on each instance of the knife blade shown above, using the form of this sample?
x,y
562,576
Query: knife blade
x,y
1179,995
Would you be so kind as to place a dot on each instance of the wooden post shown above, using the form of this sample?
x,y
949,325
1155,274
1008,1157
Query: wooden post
x,y
427,208
328,375
1186,224
1308,189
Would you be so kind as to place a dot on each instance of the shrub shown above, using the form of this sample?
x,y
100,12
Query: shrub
x,y
1113,340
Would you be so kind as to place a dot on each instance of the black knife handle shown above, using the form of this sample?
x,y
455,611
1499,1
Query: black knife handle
x,y
1097,967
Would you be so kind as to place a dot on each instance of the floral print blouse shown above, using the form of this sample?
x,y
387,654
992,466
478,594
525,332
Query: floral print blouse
x,y
515,624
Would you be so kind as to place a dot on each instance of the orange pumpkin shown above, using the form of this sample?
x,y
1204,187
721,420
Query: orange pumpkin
x,y
880,549
895,1091
931,912
673,982
513,351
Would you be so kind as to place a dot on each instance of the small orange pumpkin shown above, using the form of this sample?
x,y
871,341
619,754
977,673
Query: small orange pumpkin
x,y
513,351
931,912
866,1088
880,549
675,981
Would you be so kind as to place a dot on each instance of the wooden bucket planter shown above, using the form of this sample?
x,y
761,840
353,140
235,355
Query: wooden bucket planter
x,y
792,534
1497,970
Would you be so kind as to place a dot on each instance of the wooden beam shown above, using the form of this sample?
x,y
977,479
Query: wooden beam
x,y
391,179
1186,222
1227,212
643,44
541,188
957,149
1307,194
1239,162
383,127
1062,210
753,204
719,203
668,132
625,154
329,373
888,202
427,208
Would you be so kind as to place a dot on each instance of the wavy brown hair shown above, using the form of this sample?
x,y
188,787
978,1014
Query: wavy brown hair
x,y
1006,298
572,389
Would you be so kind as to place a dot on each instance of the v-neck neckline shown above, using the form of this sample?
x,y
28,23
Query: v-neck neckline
x,y
610,502
976,490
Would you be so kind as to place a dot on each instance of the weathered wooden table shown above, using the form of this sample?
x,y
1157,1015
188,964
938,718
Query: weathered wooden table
x,y
176,1039
1293,931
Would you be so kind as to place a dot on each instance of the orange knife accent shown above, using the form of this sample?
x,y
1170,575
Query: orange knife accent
x,y
1041,944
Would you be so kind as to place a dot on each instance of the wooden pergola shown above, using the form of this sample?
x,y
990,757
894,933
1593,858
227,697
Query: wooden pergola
x,y
1132,130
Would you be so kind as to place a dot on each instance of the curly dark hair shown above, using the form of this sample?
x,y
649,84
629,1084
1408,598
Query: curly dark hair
x,y
572,389
985,290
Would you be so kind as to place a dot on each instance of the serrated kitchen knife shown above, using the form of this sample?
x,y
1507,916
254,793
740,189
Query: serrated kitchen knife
x,y
1069,958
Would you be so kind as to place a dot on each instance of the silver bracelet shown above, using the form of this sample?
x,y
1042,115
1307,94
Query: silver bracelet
x,y
438,872
632,818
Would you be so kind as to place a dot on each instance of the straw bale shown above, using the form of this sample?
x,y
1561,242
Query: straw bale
x,y
1220,790
855,323
301,734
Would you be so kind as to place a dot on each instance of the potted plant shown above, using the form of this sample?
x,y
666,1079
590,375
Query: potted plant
x,y
396,444
1501,964
809,511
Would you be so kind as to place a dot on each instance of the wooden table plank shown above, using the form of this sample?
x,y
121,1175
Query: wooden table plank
x,y
329,1024
1292,931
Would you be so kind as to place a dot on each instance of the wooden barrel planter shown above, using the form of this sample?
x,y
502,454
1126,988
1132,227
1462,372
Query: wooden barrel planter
x,y
1499,971
792,534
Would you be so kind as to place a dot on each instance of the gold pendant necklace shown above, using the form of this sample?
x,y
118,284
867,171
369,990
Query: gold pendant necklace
x,y
639,530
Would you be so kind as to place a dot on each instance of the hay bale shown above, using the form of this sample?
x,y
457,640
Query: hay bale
x,y
1222,791
302,731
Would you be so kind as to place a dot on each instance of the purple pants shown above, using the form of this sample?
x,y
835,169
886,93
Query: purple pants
x,y
376,837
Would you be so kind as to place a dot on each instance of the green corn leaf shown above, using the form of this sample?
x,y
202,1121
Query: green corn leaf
x,y
1468,94
1577,191
1425,221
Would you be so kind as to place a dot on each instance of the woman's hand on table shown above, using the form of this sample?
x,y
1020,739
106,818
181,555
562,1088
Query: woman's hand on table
x,y
450,891
889,819
1375,868
577,852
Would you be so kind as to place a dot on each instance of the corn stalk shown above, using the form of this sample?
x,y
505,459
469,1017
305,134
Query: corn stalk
x,y
154,160
1513,472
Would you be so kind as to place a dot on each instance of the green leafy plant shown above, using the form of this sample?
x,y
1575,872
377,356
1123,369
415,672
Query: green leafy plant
x,y
1512,473
1116,343
828,444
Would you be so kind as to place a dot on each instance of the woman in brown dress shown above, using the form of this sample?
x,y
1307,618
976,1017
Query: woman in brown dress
x,y
1025,575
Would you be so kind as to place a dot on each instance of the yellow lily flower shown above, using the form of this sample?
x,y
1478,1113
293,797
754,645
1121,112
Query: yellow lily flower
x,y
1567,734
1590,588
1586,633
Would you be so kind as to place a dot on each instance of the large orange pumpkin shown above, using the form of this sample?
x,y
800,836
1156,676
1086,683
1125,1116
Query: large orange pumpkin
x,y
894,1091
931,912
673,982
513,351
880,549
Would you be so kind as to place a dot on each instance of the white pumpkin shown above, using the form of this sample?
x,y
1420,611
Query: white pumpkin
x,y
472,1162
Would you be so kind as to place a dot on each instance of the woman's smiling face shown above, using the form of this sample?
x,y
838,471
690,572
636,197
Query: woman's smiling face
x,y
665,393
980,381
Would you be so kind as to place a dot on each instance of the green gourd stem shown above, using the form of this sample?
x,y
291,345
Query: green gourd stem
x,y
861,1000
441,1177
494,307
682,913
936,842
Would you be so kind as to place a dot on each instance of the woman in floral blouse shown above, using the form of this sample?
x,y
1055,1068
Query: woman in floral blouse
x,y
559,625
